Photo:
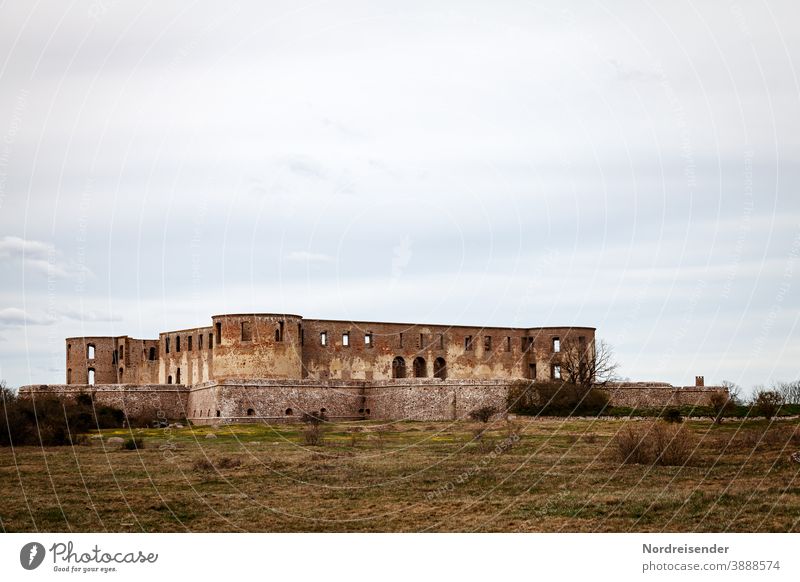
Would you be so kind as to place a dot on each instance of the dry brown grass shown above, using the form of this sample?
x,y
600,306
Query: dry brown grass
x,y
655,443
554,475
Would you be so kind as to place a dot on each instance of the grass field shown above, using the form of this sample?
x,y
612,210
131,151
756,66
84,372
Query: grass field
x,y
526,475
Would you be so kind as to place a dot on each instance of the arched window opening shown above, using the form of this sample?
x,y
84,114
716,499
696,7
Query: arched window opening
x,y
251,412
440,368
69,375
323,410
90,351
91,376
169,379
419,367
178,376
398,367
152,355
218,414
289,412
120,375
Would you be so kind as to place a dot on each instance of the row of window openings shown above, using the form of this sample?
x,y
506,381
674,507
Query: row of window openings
x,y
419,367
526,342
117,355
189,346
555,371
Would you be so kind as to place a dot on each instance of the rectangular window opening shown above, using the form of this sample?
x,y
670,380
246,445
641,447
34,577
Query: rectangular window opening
x,y
508,343
219,333
189,343
346,338
556,344
247,332
368,339
323,338
468,342
487,343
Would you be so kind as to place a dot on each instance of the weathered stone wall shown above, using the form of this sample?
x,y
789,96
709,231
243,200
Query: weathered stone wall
x,y
656,394
152,401
434,399
272,350
186,356
274,400
506,354
104,361
286,400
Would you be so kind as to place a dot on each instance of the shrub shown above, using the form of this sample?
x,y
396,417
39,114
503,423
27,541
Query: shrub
x,y
314,417
555,399
652,443
229,463
672,415
133,444
202,466
313,435
722,404
767,403
483,414
46,420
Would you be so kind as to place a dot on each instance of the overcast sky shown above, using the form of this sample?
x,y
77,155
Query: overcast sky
x,y
626,165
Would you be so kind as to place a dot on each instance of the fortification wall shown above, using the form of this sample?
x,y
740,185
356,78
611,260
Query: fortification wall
x,y
152,400
656,394
274,400
433,399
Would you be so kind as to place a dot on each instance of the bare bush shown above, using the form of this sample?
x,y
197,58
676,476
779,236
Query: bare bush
x,y
229,463
721,404
654,443
202,466
313,435
767,403
483,414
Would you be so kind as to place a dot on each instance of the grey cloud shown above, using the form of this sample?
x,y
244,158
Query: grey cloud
x,y
15,317
40,257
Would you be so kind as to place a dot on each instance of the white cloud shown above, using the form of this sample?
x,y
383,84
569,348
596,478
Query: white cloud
x,y
40,257
13,316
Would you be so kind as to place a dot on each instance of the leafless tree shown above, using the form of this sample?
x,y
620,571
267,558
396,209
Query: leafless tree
x,y
588,365
789,390
734,392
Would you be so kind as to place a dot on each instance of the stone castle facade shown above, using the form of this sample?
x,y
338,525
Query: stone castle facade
x,y
269,367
